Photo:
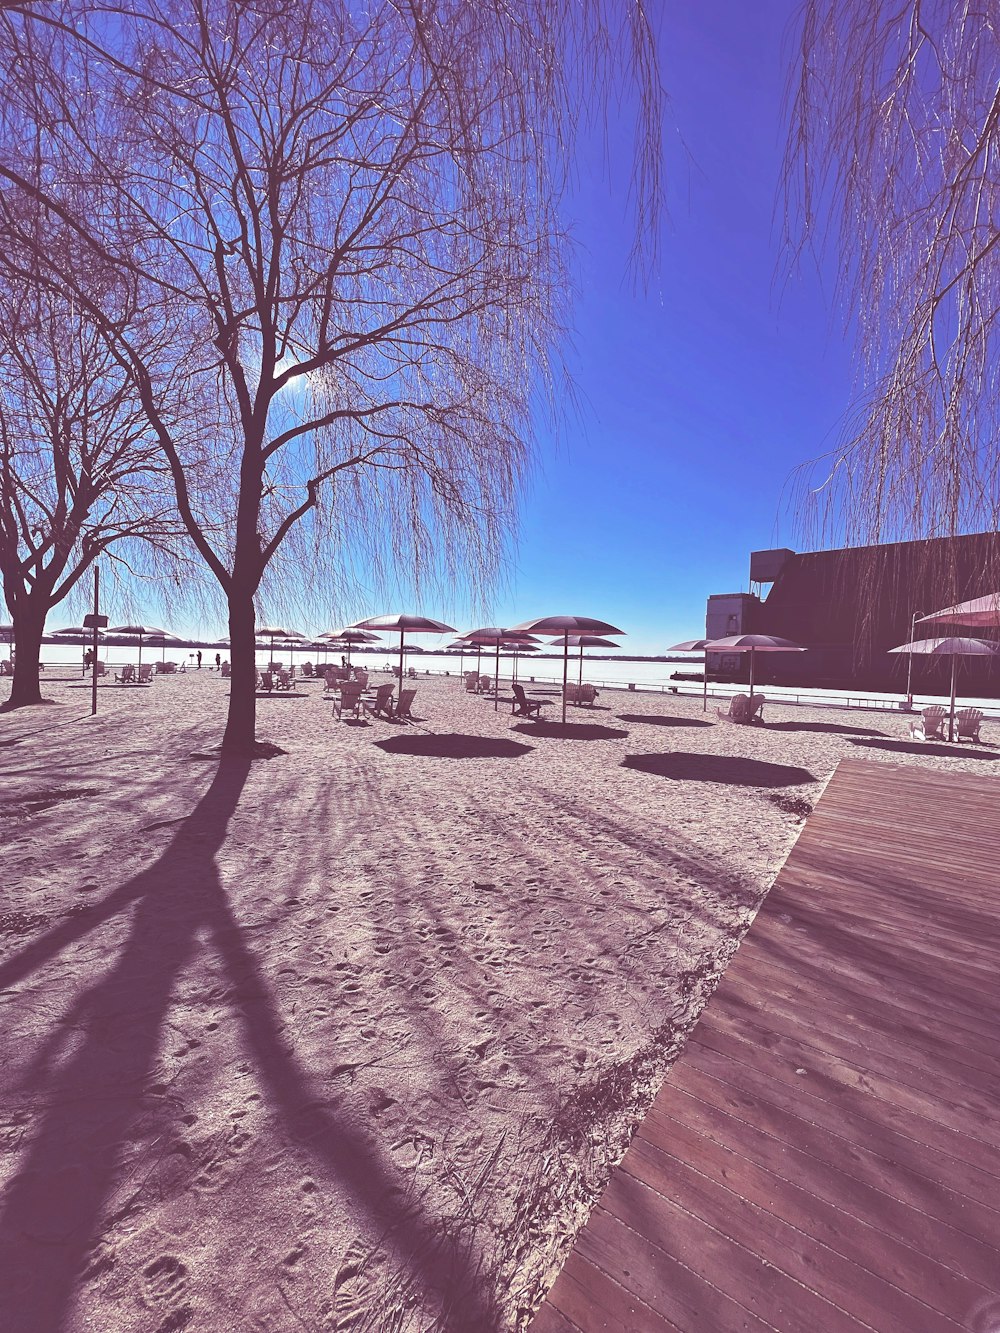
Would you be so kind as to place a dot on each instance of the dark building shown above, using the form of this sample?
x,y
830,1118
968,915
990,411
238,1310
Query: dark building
x,y
848,607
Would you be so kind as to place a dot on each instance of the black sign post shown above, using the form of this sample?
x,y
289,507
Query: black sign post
x,y
95,622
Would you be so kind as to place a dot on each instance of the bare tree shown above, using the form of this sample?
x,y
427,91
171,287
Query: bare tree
x,y
80,475
895,137
344,221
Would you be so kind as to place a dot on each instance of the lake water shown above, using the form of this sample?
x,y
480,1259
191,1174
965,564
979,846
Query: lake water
x,y
613,673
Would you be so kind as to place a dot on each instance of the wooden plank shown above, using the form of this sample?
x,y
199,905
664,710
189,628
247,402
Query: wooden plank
x,y
825,1153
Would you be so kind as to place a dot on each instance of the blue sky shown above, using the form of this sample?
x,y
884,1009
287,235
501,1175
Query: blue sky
x,y
702,394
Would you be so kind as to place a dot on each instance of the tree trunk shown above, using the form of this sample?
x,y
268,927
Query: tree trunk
x,y
240,734
29,624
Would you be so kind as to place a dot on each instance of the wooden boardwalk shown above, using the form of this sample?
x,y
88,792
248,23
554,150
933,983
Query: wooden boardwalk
x,y
825,1154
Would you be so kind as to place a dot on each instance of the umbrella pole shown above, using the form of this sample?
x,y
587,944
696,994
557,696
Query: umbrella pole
x,y
580,677
140,654
401,632
496,679
704,687
951,715
751,675
565,673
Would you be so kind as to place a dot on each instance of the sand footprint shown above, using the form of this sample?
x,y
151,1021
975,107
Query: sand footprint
x,y
164,1283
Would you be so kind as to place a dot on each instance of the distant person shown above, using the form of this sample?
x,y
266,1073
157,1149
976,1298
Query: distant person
x,y
198,656
88,660
218,661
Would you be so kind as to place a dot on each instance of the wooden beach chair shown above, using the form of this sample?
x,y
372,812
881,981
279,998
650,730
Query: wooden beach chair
x,y
522,705
581,694
382,703
402,712
266,681
969,721
484,684
127,675
349,697
307,670
739,709
930,725
756,706
472,682
361,677
146,673
284,680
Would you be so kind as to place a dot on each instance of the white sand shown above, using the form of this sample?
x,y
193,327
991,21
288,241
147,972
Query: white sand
x,y
351,1038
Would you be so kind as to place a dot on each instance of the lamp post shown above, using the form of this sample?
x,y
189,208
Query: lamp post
x,y
909,664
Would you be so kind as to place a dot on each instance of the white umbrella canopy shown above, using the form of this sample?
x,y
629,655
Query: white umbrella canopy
x,y
582,641
953,648
980,611
273,632
403,624
753,644
163,639
70,631
696,646
139,632
347,637
564,626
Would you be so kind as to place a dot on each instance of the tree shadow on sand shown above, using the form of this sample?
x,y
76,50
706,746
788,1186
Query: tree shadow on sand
x,y
571,731
936,748
453,745
664,720
731,770
93,1076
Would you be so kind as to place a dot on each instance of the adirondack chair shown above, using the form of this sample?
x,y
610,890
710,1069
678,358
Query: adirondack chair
x,y
930,725
484,684
307,670
284,680
739,709
266,681
361,677
381,705
349,697
127,675
522,705
581,694
405,703
101,669
226,670
146,673
969,721
756,706
472,682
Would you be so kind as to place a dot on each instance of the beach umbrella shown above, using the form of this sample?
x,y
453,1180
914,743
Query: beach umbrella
x,y
696,646
403,625
163,639
348,636
564,627
139,632
489,637
582,641
752,644
980,611
953,648
71,632
520,645
273,632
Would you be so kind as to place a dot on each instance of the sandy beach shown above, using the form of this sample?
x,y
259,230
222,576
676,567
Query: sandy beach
x,y
351,1038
